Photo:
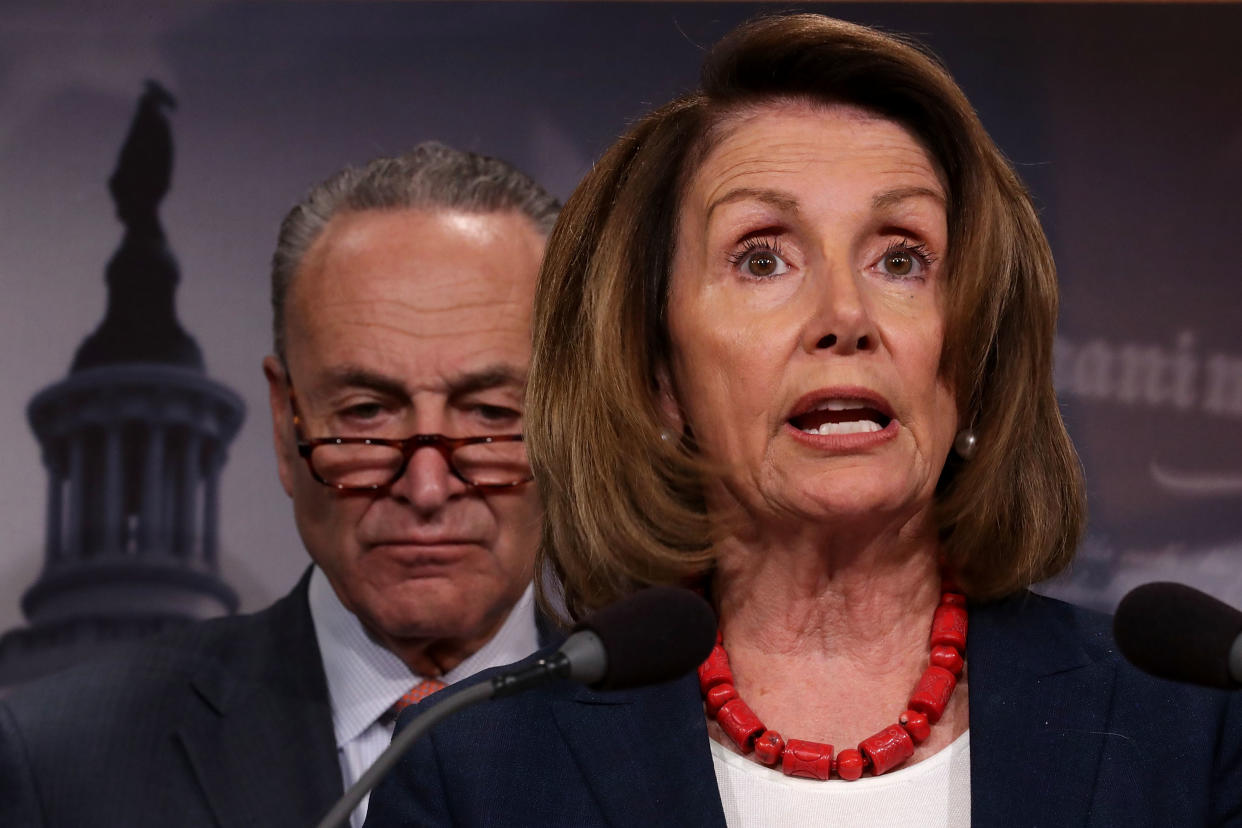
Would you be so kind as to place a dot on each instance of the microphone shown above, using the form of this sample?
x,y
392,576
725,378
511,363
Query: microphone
x,y
655,635
1177,632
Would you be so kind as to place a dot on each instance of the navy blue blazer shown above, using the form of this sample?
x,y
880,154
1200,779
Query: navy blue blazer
x,y
226,723
1063,732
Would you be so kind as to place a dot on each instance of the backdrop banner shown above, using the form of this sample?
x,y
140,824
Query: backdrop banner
x,y
1121,118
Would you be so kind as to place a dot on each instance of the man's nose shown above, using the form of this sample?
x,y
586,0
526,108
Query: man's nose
x,y
427,482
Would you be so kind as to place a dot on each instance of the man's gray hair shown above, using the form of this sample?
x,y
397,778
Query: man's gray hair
x,y
431,175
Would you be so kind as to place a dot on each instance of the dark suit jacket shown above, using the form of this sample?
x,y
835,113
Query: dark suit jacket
x,y
224,724
1063,733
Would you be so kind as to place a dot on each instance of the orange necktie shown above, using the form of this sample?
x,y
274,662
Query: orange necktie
x,y
416,694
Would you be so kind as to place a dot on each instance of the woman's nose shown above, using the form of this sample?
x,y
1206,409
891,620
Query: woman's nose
x,y
841,321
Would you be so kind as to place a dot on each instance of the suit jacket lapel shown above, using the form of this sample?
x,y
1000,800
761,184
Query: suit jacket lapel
x,y
655,767
1040,700
258,732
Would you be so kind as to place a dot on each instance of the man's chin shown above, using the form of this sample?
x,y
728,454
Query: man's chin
x,y
428,618
414,630
433,612
432,646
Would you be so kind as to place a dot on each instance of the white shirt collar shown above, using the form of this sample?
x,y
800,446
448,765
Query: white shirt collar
x,y
364,678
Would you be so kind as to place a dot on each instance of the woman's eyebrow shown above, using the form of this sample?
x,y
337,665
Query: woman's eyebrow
x,y
776,198
890,197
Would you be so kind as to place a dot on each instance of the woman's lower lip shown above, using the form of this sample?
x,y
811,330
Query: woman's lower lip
x,y
845,443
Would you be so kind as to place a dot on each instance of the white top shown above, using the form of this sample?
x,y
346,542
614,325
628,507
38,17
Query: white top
x,y
365,679
934,793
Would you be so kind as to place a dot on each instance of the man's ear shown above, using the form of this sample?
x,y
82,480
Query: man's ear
x,y
674,421
282,420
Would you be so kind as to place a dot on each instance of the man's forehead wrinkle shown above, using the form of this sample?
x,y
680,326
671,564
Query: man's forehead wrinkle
x,y
411,299
483,299
359,320
495,375
367,329
353,375
457,381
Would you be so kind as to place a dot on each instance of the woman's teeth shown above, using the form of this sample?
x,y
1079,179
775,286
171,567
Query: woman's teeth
x,y
848,427
840,417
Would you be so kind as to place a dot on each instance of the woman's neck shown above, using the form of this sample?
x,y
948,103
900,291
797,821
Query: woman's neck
x,y
823,591
827,633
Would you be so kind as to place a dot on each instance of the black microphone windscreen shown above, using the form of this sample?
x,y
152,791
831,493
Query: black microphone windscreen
x,y
1177,632
655,635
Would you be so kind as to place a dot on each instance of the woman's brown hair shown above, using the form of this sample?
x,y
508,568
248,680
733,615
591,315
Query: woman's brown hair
x,y
624,506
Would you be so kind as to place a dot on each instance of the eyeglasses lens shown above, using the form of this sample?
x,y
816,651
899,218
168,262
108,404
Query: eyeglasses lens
x,y
492,464
355,465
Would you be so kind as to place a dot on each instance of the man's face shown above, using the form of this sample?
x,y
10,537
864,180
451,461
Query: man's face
x,y
400,323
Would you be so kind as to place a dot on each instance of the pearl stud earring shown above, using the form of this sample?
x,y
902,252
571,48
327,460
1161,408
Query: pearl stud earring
x,y
965,443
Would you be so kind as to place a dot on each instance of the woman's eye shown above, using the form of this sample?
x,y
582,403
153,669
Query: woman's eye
x,y
903,260
760,261
899,263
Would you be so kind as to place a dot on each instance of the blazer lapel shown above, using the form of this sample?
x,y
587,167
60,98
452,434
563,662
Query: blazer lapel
x,y
655,767
547,630
258,732
1039,707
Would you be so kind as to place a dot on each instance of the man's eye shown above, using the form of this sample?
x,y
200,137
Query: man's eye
x,y
363,411
497,413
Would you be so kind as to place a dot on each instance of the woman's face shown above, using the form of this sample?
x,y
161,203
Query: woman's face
x,y
806,319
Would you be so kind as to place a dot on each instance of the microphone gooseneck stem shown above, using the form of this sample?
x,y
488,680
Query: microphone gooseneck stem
x,y
630,630
400,742
543,670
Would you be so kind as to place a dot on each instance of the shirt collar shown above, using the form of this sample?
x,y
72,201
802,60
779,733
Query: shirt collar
x,y
364,678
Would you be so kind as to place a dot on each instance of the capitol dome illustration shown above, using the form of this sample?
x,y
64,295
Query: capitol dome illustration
x,y
133,441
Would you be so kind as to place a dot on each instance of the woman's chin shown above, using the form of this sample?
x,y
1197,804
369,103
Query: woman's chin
x,y
857,507
864,490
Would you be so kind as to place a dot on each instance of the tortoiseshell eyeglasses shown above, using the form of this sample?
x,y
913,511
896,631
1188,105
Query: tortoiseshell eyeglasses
x,y
487,462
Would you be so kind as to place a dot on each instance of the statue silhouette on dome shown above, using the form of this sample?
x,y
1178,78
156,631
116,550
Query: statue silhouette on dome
x,y
140,324
144,168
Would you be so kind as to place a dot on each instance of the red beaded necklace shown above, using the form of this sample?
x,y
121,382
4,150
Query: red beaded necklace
x,y
878,753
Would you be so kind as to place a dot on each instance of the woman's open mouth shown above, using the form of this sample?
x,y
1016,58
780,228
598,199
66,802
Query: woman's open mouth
x,y
840,417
